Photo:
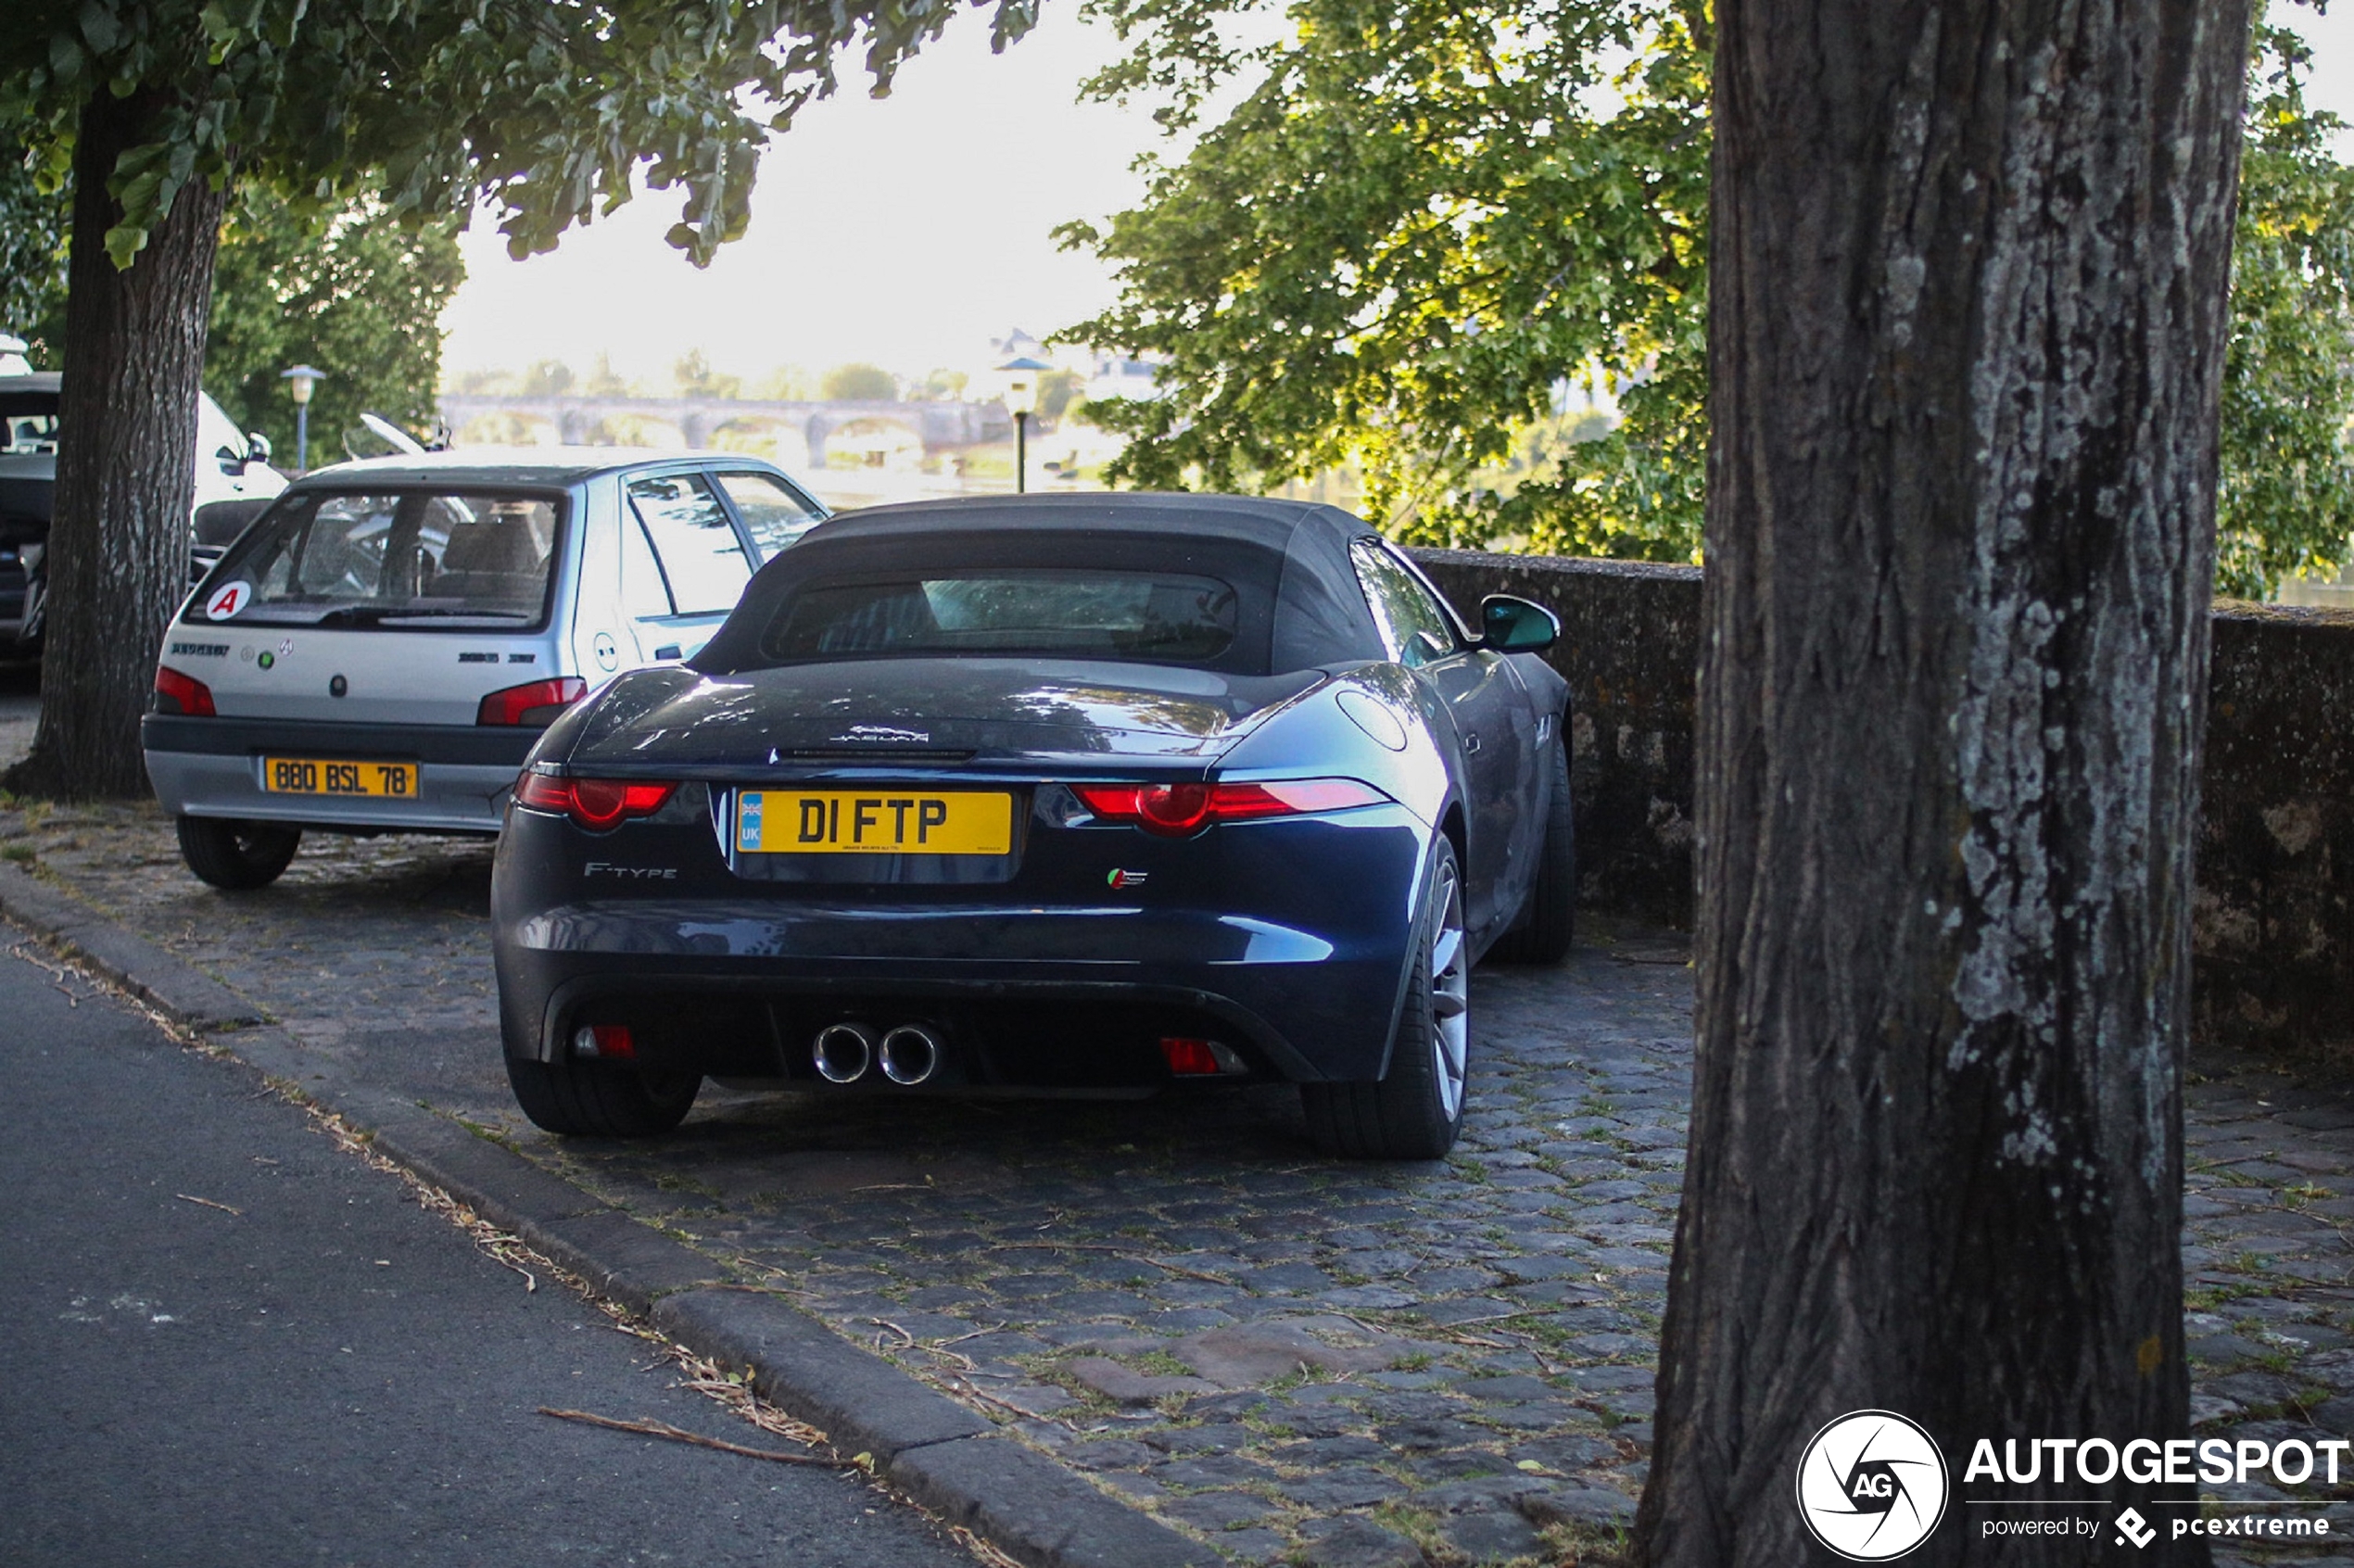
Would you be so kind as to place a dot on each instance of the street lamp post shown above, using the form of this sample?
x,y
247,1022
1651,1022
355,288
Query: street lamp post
x,y
300,380
1021,397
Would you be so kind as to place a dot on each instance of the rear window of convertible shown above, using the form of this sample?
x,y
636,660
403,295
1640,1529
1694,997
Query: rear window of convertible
x,y
1168,618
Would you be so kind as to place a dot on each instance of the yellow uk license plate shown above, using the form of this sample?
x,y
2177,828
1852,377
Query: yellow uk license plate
x,y
884,821
321,776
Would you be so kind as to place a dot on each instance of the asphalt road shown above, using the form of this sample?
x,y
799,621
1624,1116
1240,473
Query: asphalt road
x,y
330,1374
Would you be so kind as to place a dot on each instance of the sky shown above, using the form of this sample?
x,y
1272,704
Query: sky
x,y
906,231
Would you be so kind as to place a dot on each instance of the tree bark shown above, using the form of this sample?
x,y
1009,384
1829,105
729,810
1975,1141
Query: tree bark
x,y
1968,294
117,553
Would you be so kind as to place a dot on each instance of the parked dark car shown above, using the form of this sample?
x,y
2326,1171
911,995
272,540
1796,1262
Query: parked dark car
x,y
1069,794
234,482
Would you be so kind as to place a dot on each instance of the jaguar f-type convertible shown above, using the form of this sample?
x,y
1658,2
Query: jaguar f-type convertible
x,y
1067,794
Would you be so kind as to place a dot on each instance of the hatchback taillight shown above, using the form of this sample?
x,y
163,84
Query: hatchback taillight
x,y
597,804
183,694
1177,810
534,705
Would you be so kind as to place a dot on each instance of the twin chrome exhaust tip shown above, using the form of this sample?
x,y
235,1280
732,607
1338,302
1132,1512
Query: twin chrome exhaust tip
x,y
842,1052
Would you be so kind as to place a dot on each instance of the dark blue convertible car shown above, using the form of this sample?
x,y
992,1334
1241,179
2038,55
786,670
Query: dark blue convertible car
x,y
1073,795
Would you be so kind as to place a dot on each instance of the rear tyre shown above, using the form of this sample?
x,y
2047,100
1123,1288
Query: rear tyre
x,y
1415,1111
1548,922
238,856
599,1100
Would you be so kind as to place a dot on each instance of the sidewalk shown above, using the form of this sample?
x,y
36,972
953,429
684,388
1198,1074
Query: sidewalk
x,y
230,1341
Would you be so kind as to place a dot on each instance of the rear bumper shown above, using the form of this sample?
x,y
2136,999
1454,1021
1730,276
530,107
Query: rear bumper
x,y
212,768
1295,1017
1305,985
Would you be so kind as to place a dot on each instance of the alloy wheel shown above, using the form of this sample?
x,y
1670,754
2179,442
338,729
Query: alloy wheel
x,y
1450,996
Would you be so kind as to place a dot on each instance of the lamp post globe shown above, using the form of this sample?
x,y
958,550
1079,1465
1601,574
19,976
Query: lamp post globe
x,y
1020,374
299,380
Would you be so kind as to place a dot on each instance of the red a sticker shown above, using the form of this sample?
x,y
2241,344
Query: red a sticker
x,y
228,599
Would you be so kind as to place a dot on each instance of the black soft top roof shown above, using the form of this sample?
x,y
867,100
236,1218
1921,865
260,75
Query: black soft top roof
x,y
1298,603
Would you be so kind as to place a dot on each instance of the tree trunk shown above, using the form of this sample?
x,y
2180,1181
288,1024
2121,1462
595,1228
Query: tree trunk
x,y
1969,289
118,555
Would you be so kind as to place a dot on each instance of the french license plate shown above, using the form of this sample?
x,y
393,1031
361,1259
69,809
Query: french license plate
x,y
321,776
873,822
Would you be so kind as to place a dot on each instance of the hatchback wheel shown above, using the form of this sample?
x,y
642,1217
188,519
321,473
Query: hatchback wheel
x,y
599,1099
1416,1109
238,856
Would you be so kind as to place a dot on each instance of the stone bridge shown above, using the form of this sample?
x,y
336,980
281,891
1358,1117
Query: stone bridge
x,y
940,426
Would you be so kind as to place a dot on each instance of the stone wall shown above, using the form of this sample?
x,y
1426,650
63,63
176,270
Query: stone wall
x,y
1630,648
2274,929
2273,936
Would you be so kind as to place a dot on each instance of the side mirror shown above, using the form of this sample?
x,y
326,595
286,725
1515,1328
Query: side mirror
x,y
1517,626
257,447
231,462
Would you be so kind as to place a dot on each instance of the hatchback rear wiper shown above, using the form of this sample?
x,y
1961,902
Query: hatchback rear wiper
x,y
352,615
447,615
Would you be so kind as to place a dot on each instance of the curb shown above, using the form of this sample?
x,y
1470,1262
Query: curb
x,y
944,1456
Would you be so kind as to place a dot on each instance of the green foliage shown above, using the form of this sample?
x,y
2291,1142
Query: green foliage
x,y
789,383
859,382
695,378
2286,500
545,378
351,292
548,113
32,252
604,381
1423,220
1056,390
1422,226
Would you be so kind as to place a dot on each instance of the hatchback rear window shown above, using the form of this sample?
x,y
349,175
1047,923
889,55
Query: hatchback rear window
x,y
394,558
1160,617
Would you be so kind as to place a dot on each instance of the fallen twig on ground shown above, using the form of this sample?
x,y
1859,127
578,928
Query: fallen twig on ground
x,y
680,1435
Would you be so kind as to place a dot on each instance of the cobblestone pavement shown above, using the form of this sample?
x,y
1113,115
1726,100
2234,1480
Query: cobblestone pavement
x,y
1344,1364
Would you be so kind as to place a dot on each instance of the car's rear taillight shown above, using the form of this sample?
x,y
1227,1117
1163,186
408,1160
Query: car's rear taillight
x,y
534,705
597,804
1176,810
183,694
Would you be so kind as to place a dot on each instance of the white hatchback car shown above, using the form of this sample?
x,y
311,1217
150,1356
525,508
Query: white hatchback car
x,y
378,651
